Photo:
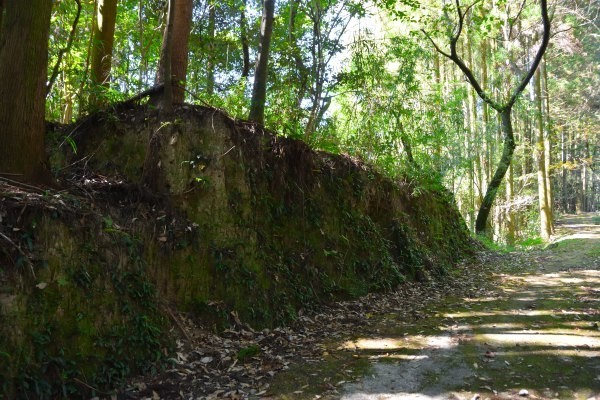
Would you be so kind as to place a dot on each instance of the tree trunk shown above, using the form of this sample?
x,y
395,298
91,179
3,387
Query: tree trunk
x,y
511,225
540,158
182,21
547,141
492,189
301,69
103,28
165,75
23,74
210,63
563,148
244,40
317,70
259,90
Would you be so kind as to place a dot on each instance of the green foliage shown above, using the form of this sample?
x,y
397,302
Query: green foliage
x,y
377,93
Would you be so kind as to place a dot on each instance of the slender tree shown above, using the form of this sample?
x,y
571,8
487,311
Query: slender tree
x,y
165,74
182,22
244,40
210,63
540,158
103,37
23,69
259,90
503,109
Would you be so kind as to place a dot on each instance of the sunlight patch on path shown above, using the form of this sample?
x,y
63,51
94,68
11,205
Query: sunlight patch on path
x,y
540,339
403,376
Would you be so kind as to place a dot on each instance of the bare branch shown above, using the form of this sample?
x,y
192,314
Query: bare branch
x,y
538,56
435,45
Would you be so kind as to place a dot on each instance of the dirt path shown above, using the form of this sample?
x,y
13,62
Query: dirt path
x,y
531,330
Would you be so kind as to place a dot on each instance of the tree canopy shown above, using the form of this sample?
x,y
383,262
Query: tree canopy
x,y
410,86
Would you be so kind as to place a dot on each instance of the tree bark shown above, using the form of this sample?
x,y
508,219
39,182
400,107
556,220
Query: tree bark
x,y
23,73
547,141
540,158
563,147
301,69
259,90
165,75
210,64
103,28
182,23
244,40
511,225
507,153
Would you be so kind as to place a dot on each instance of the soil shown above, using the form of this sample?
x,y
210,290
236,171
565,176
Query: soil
x,y
526,326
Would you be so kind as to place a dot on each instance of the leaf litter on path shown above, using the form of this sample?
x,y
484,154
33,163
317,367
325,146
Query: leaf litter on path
x,y
496,327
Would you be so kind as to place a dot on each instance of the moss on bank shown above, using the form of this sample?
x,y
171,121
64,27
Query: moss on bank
x,y
203,213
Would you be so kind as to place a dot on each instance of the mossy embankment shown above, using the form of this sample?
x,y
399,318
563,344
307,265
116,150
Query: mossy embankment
x,y
199,212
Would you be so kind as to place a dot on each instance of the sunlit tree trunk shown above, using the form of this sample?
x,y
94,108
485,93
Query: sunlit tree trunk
x,y
563,170
511,225
23,74
540,158
547,141
259,89
182,22
437,71
488,154
103,27
210,62
68,97
585,176
164,75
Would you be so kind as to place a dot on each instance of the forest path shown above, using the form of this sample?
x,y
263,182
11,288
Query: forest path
x,y
531,330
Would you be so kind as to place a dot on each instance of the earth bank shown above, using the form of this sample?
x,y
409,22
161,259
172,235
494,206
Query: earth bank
x,y
201,214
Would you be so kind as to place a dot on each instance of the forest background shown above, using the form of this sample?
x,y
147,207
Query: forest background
x,y
370,79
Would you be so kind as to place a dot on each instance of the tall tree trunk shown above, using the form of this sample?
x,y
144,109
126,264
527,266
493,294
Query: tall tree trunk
x,y
507,154
244,40
182,21
545,217
511,224
301,69
547,140
317,69
563,158
210,63
585,175
23,74
259,90
103,28
165,74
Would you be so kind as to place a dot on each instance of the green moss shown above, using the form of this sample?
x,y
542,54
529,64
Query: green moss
x,y
248,352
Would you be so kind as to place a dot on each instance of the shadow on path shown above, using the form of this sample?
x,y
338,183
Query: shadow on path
x,y
535,334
